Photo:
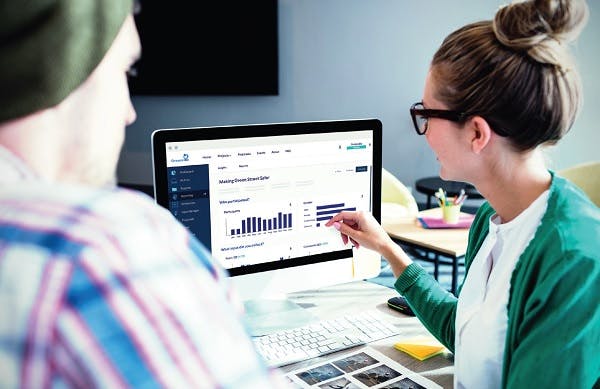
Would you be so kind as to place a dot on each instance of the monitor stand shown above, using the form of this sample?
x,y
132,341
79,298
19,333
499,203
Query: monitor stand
x,y
265,316
268,308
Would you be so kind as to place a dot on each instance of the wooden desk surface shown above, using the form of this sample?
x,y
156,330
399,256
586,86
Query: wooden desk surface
x,y
451,241
338,300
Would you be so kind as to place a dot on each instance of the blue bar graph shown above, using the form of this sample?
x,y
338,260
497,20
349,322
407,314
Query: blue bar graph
x,y
261,224
339,205
326,211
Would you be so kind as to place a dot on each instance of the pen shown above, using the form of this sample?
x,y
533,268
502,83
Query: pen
x,y
457,199
441,197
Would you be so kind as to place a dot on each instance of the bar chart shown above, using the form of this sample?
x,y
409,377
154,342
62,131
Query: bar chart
x,y
259,224
326,211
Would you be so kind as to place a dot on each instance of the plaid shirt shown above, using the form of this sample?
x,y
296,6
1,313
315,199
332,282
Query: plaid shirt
x,y
105,289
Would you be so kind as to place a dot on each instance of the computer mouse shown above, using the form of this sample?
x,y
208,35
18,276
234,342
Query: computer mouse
x,y
399,304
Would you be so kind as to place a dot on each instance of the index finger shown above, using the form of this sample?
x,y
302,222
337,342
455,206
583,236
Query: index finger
x,y
344,216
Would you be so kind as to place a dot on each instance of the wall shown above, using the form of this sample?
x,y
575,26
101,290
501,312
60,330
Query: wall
x,y
352,59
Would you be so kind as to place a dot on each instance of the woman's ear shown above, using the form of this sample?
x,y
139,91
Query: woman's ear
x,y
480,133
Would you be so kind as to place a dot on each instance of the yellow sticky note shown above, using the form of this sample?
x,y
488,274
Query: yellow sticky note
x,y
420,347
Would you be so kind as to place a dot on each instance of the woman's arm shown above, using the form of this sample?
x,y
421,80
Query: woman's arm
x,y
434,306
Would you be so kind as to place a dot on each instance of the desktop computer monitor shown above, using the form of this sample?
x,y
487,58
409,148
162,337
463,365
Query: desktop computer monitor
x,y
258,196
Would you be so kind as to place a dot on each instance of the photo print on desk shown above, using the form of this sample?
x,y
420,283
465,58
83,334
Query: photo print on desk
x,y
364,368
405,383
355,362
377,375
319,374
337,384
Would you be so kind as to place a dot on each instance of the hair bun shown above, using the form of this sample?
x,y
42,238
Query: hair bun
x,y
541,28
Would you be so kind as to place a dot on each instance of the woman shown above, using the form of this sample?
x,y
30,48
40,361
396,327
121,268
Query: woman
x,y
528,311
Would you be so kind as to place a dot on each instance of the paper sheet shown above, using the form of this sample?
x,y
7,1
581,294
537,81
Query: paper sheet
x,y
359,369
464,221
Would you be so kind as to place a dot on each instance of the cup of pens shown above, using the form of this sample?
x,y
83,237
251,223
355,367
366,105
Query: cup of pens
x,y
450,206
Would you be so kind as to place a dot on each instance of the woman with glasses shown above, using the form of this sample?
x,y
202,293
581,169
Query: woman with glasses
x,y
528,312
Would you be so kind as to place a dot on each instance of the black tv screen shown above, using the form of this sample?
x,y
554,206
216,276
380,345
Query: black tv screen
x,y
218,47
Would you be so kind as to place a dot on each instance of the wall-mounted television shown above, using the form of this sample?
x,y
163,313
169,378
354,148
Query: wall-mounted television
x,y
218,47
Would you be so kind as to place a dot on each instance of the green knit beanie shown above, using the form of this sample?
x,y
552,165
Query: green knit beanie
x,y
50,47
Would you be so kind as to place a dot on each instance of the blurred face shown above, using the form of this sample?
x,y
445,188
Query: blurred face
x,y
446,138
101,109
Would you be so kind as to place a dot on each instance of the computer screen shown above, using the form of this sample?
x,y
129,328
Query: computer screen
x,y
258,196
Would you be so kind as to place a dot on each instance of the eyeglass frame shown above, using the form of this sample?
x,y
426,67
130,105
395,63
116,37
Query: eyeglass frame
x,y
453,116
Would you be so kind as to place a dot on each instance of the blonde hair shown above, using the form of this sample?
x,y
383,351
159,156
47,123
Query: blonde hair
x,y
516,71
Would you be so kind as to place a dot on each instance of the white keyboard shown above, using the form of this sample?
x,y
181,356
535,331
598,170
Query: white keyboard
x,y
323,337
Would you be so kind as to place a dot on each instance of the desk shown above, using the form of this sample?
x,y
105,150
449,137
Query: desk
x,y
430,185
338,300
449,243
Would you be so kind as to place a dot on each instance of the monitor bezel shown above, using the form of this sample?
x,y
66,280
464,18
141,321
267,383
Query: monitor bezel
x,y
161,137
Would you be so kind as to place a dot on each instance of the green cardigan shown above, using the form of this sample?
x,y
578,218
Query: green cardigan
x,y
553,334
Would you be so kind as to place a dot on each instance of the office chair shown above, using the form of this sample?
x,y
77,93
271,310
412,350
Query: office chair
x,y
396,193
587,177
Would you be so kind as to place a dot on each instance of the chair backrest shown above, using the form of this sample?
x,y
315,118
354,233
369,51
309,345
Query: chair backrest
x,y
587,177
394,191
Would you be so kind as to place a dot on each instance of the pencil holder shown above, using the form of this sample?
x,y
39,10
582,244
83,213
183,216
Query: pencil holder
x,y
451,213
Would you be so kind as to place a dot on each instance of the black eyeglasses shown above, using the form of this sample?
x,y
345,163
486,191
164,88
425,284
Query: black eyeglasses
x,y
420,116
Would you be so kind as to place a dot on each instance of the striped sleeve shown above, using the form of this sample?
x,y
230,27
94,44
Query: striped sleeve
x,y
115,293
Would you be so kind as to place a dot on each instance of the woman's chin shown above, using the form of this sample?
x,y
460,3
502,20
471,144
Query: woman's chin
x,y
446,176
443,174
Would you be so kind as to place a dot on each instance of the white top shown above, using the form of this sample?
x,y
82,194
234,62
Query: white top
x,y
482,314
12,168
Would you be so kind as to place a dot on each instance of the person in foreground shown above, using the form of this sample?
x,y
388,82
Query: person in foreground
x,y
528,312
99,287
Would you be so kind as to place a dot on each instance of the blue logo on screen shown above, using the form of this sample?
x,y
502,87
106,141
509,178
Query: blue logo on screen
x,y
184,158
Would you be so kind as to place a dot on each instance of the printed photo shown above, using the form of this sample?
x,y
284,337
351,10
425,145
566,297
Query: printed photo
x,y
292,384
377,375
341,383
403,384
319,374
355,362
